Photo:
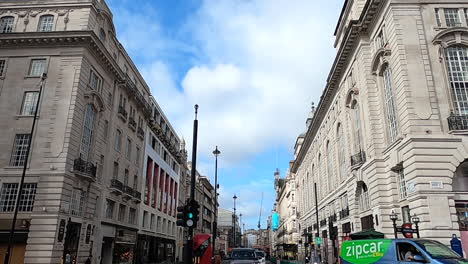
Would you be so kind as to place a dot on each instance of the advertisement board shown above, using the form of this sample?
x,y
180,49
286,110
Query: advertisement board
x,y
275,221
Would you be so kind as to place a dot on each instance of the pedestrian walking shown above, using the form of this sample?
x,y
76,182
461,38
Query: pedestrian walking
x,y
456,245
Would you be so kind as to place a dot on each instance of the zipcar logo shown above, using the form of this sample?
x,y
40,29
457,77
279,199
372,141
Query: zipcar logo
x,y
364,250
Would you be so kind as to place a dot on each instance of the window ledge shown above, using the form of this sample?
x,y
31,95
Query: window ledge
x,y
458,132
31,76
25,116
14,168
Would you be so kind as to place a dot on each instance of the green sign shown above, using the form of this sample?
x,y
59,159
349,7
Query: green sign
x,y
318,240
364,251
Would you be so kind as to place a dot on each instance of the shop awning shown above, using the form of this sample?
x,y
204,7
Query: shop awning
x,y
367,234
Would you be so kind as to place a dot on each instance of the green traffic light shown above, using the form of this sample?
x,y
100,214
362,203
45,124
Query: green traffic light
x,y
190,215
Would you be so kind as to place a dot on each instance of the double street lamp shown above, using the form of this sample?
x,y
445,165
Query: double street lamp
x,y
414,219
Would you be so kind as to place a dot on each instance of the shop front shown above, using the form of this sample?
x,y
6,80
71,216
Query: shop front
x,y
153,249
20,238
124,246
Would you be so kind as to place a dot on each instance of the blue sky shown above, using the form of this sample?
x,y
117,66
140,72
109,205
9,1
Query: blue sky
x,y
253,66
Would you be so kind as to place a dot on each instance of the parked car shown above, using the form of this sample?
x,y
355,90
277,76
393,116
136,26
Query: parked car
x,y
386,251
242,256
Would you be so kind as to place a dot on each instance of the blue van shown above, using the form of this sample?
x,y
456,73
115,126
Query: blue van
x,y
403,251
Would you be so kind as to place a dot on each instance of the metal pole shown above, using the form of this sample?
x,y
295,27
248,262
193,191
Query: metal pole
x,y
189,255
25,166
394,228
216,152
234,221
317,218
417,229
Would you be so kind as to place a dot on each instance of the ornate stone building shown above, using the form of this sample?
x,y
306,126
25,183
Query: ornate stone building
x,y
84,181
389,133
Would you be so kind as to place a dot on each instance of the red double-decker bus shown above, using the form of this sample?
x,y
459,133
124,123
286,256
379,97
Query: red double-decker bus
x,y
202,249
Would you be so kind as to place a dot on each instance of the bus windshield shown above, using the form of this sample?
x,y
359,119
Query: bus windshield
x,y
438,250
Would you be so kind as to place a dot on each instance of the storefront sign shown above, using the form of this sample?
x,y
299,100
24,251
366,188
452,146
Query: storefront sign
x,y
364,251
125,236
61,232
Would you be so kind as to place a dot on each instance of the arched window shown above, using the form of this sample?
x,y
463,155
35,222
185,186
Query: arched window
x,y
357,133
46,23
86,139
457,67
320,176
6,24
363,196
389,104
341,151
330,176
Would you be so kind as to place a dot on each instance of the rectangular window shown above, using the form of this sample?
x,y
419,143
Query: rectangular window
x,y
122,211
95,82
115,174
129,148
29,104
402,184
137,158
87,137
465,12
8,197
390,105
118,140
132,216
2,67
106,129
152,222
110,208
145,219
452,19
46,23
6,24
37,67
18,155
126,177
77,203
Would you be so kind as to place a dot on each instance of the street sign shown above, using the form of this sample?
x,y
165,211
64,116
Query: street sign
x,y
318,240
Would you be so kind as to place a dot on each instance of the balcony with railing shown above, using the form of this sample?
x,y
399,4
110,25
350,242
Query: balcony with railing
x,y
358,159
84,169
136,196
132,124
457,122
122,113
141,133
127,191
323,222
116,186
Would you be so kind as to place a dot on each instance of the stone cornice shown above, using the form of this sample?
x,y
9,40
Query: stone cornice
x,y
355,28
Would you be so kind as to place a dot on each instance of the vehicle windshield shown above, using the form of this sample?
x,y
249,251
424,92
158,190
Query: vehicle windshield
x,y
260,253
438,250
243,254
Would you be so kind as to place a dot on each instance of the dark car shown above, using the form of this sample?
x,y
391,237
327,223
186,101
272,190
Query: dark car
x,y
242,256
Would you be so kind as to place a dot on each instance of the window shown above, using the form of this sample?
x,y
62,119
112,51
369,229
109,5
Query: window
x,y
135,182
129,148
110,208
87,136
116,171
330,175
402,184
37,67
102,35
452,19
457,66
2,67
357,127
390,105
439,23
363,197
132,216
106,129
95,82
6,24
465,11
78,198
152,222
122,211
46,23
29,103
18,155
137,158
380,40
126,178
8,197
118,140
341,152
145,219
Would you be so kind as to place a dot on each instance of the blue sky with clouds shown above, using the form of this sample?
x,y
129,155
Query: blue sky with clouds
x,y
253,66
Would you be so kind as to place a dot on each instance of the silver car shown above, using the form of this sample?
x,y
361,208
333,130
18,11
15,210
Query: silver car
x,y
242,256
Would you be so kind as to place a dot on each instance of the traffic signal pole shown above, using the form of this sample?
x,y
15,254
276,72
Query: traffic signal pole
x,y
189,245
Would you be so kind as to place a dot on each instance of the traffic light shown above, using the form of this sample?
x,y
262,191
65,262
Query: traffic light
x,y
182,215
194,211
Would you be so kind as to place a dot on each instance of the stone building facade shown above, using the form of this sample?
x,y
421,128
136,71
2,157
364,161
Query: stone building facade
x,y
389,134
84,181
286,237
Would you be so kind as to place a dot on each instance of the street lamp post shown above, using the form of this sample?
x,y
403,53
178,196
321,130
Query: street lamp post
x,y
240,227
234,222
416,221
216,152
394,217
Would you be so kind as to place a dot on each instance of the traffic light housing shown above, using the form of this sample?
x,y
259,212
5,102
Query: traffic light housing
x,y
181,215
194,210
